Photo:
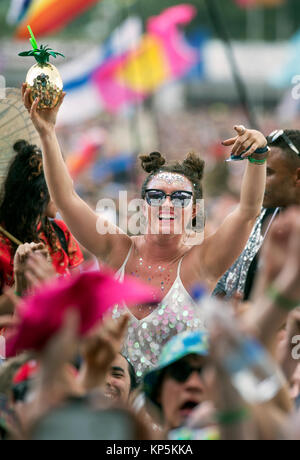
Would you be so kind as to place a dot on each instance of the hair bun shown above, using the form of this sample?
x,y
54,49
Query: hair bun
x,y
31,156
195,164
20,146
152,162
23,147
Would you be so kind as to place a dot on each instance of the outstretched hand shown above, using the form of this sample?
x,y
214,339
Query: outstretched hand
x,y
246,142
43,119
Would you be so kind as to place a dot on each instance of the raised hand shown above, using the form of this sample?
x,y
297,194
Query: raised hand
x,y
246,142
100,349
32,265
43,119
38,270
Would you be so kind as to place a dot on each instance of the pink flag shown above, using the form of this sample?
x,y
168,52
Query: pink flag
x,y
162,55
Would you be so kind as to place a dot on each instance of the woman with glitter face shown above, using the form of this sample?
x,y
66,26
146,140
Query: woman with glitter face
x,y
167,257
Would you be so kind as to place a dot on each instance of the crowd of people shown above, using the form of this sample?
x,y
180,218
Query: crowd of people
x,y
188,331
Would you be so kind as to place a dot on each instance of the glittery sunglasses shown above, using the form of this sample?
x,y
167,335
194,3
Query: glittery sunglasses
x,y
280,133
182,370
180,198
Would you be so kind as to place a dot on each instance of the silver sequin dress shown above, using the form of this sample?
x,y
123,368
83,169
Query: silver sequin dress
x,y
234,280
176,313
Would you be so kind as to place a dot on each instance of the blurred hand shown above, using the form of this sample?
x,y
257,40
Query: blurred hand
x,y
8,321
203,416
293,324
246,139
32,266
285,345
8,302
38,270
55,382
23,252
43,119
100,349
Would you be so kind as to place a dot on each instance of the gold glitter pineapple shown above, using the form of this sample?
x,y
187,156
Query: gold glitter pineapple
x,y
43,78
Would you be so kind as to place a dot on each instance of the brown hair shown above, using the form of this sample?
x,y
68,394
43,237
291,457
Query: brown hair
x,y
192,168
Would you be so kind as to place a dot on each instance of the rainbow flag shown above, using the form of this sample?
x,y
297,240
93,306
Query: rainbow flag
x,y
49,16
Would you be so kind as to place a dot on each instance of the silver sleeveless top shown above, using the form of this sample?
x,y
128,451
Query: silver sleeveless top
x,y
176,313
234,280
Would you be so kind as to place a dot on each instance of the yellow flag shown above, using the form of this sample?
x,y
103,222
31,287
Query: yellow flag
x,y
146,68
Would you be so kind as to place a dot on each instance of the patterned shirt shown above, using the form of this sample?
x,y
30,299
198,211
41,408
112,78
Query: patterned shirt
x,y
235,278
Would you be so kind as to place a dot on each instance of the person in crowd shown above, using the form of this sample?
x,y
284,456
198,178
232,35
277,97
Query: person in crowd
x,y
190,372
120,380
27,215
176,386
32,267
282,191
168,260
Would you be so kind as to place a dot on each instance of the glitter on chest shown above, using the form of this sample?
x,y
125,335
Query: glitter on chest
x,y
158,276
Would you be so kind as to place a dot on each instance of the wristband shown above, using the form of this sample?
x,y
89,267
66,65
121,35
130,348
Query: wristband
x,y
232,417
17,294
281,300
257,162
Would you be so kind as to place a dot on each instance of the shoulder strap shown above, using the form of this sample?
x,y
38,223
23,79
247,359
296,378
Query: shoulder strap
x,y
179,267
121,272
127,257
61,236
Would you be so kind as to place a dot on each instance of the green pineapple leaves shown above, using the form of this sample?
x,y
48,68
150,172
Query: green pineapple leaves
x,y
41,54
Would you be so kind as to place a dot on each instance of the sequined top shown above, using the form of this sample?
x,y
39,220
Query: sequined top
x,y
234,280
176,313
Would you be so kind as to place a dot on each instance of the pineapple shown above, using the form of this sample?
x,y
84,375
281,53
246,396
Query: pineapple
x,y
43,78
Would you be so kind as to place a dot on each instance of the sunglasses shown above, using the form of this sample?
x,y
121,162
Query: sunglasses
x,y
280,133
180,198
182,370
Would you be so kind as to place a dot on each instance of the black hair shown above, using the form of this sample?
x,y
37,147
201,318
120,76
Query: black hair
x,y
192,168
290,155
133,377
26,196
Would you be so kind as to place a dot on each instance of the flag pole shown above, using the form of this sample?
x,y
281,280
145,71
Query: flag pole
x,y
221,29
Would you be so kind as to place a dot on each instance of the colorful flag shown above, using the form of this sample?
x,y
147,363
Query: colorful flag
x,y
89,147
49,16
17,11
129,66
162,55
84,101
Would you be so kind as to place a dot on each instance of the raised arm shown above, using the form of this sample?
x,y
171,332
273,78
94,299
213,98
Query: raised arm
x,y
225,246
79,217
